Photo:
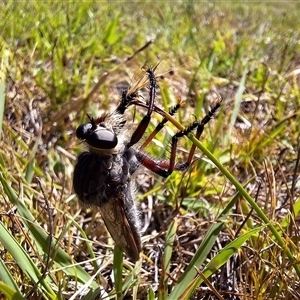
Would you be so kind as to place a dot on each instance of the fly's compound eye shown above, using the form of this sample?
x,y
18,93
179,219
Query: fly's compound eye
x,y
84,130
99,138
102,139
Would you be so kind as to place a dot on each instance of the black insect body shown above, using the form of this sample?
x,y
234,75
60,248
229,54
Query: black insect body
x,y
104,175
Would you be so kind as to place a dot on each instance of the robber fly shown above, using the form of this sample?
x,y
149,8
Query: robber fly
x,y
103,175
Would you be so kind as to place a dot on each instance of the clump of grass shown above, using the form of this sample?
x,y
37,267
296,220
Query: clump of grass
x,y
205,237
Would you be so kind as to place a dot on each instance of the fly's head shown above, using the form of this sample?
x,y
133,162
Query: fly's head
x,y
99,134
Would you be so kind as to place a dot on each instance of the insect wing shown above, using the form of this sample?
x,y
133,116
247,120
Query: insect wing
x,y
120,228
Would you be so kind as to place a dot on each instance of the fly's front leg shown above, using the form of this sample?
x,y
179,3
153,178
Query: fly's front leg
x,y
140,130
159,167
165,168
200,128
126,100
160,126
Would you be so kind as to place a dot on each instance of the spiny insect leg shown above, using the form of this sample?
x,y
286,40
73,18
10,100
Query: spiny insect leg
x,y
159,167
165,168
140,130
125,101
200,128
130,95
160,126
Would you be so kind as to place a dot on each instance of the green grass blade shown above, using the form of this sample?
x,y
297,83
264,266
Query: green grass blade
x,y
169,241
30,166
287,220
9,293
170,237
118,268
135,279
88,79
41,239
270,137
223,256
237,104
24,260
150,295
2,100
2,89
220,259
111,35
6,277
201,254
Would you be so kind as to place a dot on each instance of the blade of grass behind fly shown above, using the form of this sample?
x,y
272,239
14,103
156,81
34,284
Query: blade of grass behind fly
x,y
202,252
41,239
169,241
2,85
150,294
30,166
237,104
24,261
2,100
243,192
133,279
288,218
9,293
220,259
6,277
269,137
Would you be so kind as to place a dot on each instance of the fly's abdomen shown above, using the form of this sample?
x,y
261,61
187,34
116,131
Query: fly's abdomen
x,y
105,182
122,225
89,178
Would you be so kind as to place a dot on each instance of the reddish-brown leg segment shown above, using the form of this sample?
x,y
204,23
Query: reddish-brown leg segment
x,y
162,168
142,127
165,168
160,126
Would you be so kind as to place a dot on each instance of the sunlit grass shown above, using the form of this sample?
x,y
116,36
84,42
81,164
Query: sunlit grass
x,y
68,59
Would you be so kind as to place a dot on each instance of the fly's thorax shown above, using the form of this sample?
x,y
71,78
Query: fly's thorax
x,y
115,122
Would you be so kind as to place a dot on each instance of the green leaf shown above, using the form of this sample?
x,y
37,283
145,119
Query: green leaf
x,y
41,240
2,86
9,293
170,237
220,259
237,103
118,268
6,277
23,260
202,252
